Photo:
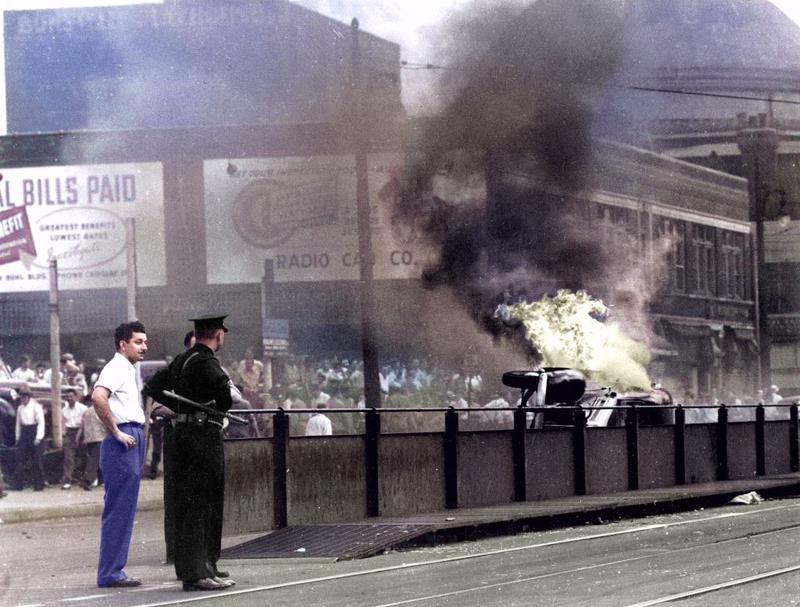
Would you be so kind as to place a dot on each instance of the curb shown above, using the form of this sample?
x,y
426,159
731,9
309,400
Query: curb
x,y
23,515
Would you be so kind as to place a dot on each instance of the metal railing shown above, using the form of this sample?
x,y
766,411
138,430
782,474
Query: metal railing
x,y
519,445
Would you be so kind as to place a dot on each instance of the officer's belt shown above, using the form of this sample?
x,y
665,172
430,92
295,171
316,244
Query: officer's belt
x,y
199,418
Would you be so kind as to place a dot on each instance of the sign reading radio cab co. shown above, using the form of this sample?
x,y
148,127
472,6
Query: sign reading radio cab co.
x,y
15,235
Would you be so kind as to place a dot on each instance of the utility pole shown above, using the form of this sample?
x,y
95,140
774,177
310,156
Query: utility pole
x,y
758,145
372,387
130,256
55,357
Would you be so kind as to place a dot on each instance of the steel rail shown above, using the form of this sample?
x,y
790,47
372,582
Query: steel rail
x,y
501,551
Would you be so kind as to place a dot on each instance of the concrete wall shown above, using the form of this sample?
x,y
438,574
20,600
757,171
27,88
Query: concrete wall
x,y
248,486
656,457
485,469
776,437
606,460
411,474
550,465
701,453
326,479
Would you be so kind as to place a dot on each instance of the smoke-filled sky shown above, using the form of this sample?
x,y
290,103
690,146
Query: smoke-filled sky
x,y
414,24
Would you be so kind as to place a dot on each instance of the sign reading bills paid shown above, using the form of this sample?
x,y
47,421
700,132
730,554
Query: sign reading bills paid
x,y
15,235
79,216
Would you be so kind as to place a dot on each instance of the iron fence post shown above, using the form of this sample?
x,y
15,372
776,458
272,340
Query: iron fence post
x,y
280,448
632,436
519,455
723,472
451,459
579,450
794,448
680,445
373,431
761,443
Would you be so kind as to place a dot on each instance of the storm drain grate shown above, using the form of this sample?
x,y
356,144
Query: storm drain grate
x,y
339,541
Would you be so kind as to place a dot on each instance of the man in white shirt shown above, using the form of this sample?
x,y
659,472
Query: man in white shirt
x,y
29,433
319,424
118,403
71,414
25,371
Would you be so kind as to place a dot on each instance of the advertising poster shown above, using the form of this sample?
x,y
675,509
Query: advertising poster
x,y
301,213
77,215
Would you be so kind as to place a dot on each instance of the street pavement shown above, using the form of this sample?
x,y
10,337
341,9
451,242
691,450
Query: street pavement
x,y
731,555
55,502
49,542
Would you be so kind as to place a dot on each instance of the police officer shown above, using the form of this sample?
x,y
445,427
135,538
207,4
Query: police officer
x,y
198,460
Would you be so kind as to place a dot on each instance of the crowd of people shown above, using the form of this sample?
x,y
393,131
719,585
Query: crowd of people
x,y
338,383
299,382
24,423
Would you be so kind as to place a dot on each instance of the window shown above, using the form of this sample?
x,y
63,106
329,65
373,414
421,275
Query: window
x,y
675,232
704,262
733,265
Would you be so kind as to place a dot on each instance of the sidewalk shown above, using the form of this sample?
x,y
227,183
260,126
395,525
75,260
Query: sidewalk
x,y
55,502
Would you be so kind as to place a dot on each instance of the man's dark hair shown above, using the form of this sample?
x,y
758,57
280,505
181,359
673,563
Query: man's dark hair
x,y
125,331
188,338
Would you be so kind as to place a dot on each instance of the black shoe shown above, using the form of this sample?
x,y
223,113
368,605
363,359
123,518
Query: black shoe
x,y
128,582
203,584
3,494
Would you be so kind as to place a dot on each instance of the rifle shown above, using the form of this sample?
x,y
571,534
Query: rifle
x,y
206,407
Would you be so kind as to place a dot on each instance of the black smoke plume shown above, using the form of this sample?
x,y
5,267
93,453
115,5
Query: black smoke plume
x,y
518,118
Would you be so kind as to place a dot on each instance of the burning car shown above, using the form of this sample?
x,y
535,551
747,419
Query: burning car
x,y
560,390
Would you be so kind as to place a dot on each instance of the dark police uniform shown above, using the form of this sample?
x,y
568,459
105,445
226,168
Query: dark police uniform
x,y
198,461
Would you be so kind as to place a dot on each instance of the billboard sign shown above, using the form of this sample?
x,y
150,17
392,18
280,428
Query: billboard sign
x,y
301,213
77,215
15,235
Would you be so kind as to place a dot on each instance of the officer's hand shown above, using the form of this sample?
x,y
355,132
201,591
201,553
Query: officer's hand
x,y
125,439
36,442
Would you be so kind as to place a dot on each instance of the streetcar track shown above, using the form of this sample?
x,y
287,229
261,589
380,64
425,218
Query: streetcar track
x,y
715,587
655,554
419,564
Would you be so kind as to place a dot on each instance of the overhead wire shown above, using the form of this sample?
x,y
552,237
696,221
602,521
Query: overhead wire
x,y
408,65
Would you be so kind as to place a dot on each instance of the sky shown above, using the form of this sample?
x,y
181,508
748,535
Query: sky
x,y
410,23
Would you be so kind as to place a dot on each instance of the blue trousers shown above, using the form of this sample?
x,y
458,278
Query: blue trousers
x,y
122,472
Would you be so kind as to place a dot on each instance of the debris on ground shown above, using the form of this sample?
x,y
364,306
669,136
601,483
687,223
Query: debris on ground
x,y
747,499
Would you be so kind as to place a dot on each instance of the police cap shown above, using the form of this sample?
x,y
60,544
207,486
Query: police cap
x,y
209,322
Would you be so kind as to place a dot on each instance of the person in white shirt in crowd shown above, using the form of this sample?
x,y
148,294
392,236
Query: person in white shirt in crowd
x,y
319,424
73,376
251,372
357,375
457,402
71,416
774,395
65,358
499,419
320,397
29,434
117,400
98,365
90,437
25,371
